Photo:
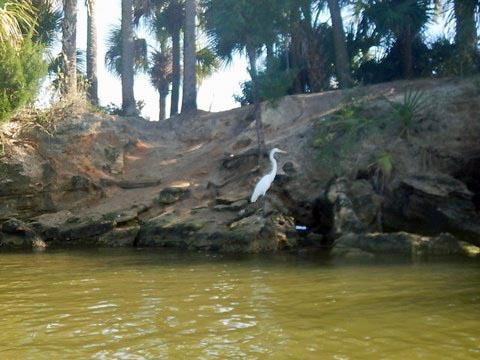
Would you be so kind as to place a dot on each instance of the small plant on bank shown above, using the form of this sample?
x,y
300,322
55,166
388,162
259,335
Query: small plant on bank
x,y
408,111
348,121
337,134
382,170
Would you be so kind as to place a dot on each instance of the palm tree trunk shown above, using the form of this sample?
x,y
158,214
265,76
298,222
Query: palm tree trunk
x,y
92,53
69,46
128,98
162,103
342,60
406,43
175,72
189,99
466,34
257,110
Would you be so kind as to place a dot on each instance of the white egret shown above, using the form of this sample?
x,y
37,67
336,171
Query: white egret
x,y
264,184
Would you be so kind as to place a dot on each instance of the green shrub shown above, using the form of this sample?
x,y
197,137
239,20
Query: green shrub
x,y
20,74
273,83
114,109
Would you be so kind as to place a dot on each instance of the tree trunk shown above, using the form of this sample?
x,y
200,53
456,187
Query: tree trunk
x,y
189,99
298,59
466,34
257,110
342,61
175,72
162,104
128,98
69,47
92,53
406,43
270,53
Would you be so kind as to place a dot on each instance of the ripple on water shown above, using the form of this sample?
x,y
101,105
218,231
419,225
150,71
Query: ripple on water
x,y
146,305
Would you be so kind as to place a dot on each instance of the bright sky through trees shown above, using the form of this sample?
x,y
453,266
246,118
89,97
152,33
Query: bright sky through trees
x,y
215,93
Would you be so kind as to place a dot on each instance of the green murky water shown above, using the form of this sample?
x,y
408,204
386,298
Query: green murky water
x,y
143,304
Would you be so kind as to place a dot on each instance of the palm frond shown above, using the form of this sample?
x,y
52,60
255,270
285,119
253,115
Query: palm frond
x,y
15,16
113,56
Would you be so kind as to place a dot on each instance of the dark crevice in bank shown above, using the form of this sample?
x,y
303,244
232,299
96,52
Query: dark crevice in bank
x,y
469,174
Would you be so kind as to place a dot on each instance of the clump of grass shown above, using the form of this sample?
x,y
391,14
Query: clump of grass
x,y
47,119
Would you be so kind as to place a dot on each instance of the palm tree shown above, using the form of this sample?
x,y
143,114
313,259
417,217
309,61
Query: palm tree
x,y
308,49
170,14
161,77
48,22
399,23
14,16
113,56
69,46
161,62
189,99
466,32
342,61
56,66
174,16
243,25
128,99
92,52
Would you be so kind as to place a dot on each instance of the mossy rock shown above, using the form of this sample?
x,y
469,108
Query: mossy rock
x,y
124,236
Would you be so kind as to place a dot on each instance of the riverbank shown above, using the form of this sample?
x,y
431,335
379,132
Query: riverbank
x,y
385,168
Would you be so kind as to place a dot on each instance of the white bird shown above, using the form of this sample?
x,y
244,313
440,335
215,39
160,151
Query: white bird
x,y
264,184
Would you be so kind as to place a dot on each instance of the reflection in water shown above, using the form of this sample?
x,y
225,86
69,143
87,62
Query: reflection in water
x,y
130,304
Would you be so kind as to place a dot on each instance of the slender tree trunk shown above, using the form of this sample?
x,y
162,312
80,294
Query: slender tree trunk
x,y
257,110
92,53
270,53
406,43
162,103
298,59
189,99
342,61
128,98
69,47
175,72
466,34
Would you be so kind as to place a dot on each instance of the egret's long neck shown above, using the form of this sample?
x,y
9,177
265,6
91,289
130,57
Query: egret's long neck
x,y
274,165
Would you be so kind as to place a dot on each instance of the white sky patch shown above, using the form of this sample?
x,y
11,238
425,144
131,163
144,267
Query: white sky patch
x,y
214,94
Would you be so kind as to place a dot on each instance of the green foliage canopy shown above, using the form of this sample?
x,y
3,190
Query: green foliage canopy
x,y
233,25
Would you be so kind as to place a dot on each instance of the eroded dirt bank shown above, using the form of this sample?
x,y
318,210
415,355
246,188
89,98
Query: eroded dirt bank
x,y
359,174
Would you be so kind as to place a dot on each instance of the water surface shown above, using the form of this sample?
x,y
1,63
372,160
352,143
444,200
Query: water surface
x,y
144,304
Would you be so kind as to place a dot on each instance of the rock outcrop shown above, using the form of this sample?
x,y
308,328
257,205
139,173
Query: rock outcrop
x,y
432,204
399,243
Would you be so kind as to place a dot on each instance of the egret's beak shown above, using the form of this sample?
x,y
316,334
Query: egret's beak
x,y
282,151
